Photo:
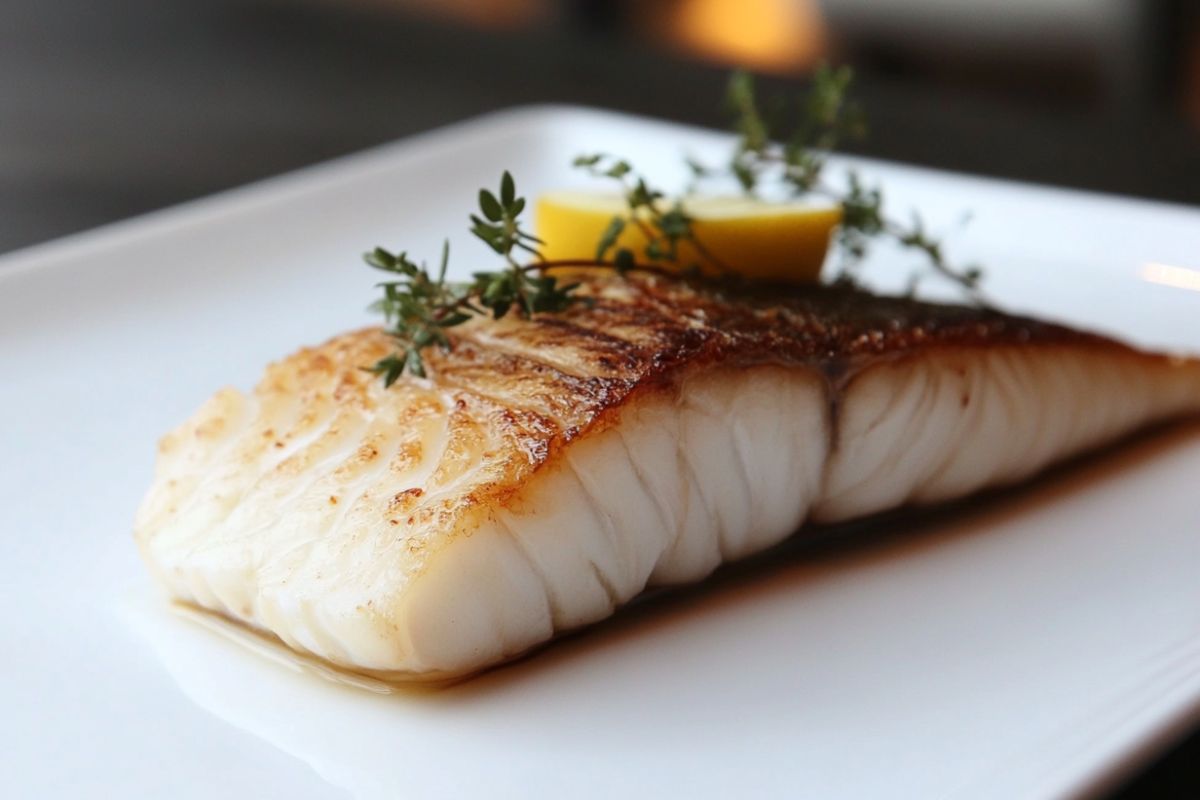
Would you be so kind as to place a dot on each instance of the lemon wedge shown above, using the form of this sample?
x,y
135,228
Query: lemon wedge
x,y
757,239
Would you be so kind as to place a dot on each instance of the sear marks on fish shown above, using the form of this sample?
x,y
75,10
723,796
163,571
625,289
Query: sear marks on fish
x,y
550,470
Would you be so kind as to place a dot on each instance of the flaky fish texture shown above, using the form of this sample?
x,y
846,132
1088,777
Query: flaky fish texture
x,y
549,470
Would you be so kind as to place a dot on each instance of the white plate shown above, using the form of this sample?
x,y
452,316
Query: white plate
x,y
1030,646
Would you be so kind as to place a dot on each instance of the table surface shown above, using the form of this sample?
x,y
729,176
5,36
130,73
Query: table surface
x,y
111,110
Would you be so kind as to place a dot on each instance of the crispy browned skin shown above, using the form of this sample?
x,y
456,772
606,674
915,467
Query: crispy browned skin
x,y
642,331
553,377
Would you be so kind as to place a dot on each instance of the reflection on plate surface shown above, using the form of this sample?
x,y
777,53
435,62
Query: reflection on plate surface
x,y
1168,275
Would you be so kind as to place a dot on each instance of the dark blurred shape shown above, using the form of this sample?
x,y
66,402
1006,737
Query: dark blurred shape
x,y
500,14
1189,74
1093,53
106,111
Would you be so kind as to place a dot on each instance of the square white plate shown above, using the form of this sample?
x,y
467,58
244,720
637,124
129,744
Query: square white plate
x,y
1033,645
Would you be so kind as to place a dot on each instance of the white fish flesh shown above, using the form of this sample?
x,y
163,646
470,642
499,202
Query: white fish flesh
x,y
550,470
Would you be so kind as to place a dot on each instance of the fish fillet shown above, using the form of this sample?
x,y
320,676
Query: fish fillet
x,y
549,470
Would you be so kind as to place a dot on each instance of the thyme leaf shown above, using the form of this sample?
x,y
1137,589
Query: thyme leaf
x,y
797,157
420,306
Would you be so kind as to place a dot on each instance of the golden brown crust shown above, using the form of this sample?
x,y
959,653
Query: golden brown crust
x,y
570,368
541,383
552,377
430,458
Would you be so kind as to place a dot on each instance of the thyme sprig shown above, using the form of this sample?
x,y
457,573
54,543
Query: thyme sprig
x,y
663,223
420,306
797,157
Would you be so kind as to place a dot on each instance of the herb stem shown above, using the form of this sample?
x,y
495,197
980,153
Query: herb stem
x,y
802,156
419,309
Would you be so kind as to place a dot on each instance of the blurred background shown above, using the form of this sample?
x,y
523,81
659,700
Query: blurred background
x,y
109,109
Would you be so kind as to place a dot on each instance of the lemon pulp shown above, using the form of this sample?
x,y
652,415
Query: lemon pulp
x,y
757,239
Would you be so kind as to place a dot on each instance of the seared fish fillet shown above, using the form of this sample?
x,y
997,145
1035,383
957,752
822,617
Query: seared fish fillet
x,y
550,470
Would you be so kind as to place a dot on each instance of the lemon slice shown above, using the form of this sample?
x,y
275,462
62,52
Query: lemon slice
x,y
775,241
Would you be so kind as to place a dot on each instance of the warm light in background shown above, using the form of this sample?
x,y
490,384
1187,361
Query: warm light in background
x,y
768,35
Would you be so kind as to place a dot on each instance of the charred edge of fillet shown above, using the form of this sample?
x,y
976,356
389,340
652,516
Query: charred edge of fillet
x,y
646,332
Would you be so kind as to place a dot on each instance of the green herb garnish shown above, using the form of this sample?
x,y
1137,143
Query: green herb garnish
x,y
419,307
797,156
662,228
